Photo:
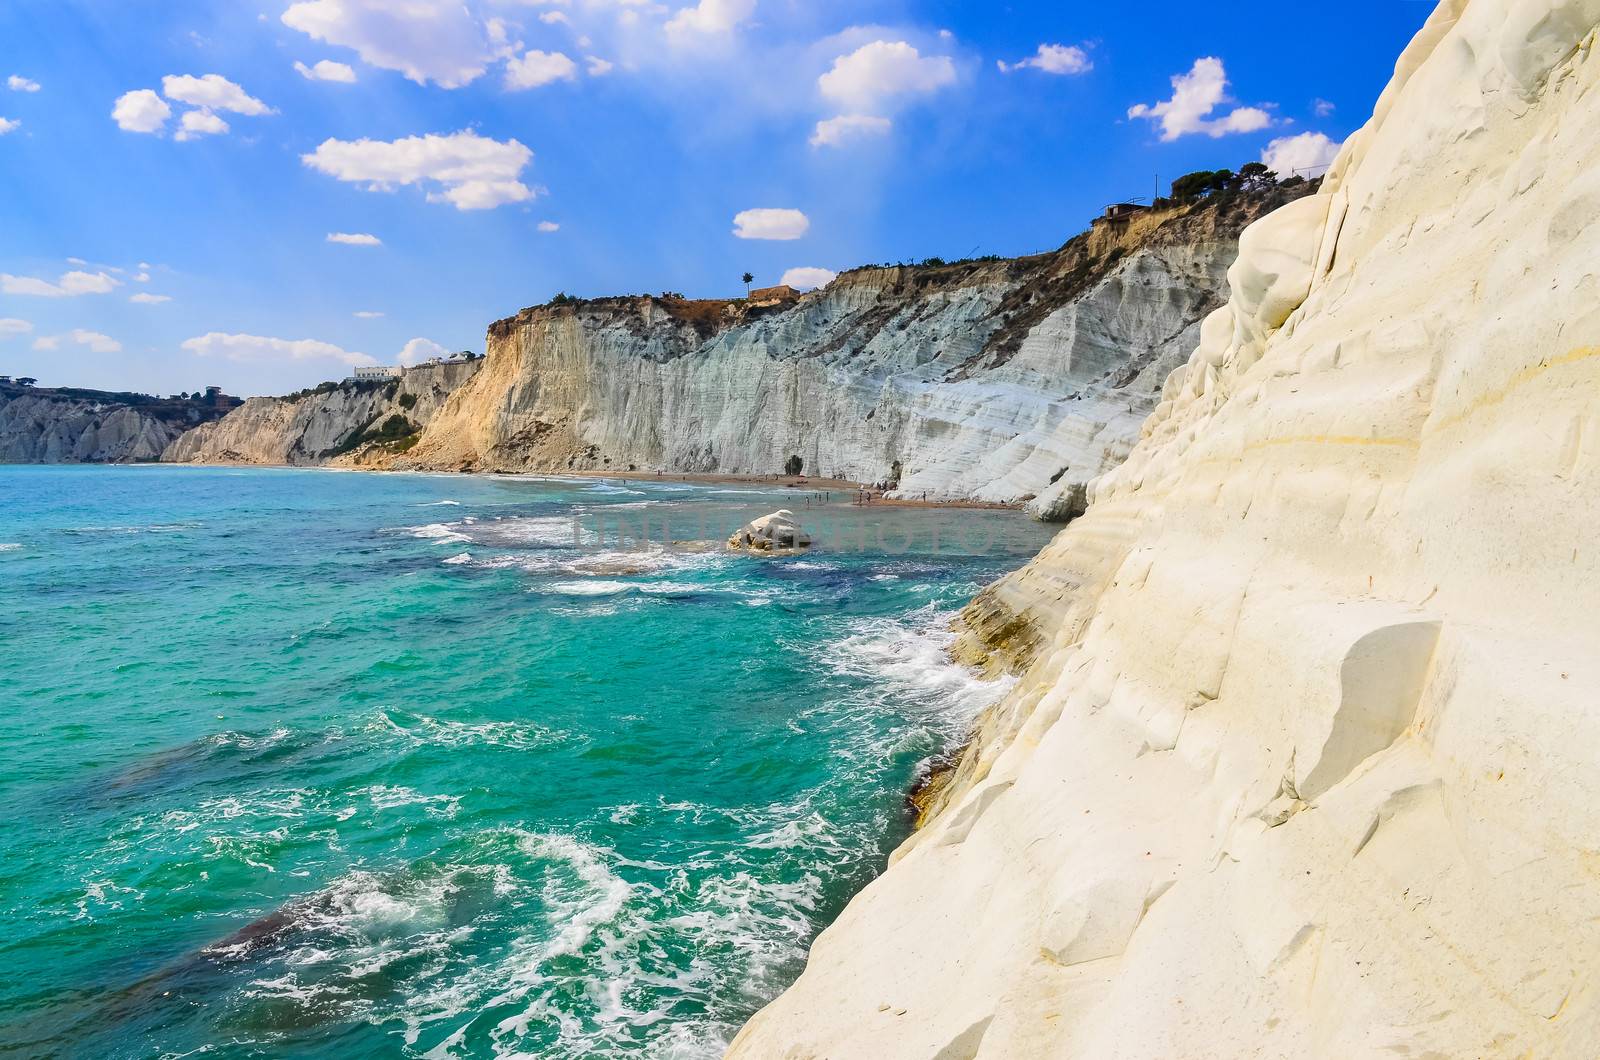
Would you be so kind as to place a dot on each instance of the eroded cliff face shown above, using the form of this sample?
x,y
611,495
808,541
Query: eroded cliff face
x,y
49,427
1305,757
348,424
997,380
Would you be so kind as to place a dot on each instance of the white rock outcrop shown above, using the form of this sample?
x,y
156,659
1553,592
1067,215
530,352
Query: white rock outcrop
x,y
778,533
997,380
323,426
55,430
1305,757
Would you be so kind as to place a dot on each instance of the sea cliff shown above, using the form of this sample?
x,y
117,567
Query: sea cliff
x,y
350,424
49,425
996,379
1303,758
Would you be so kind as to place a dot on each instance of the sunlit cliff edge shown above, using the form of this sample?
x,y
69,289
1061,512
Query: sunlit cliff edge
x,y
1305,755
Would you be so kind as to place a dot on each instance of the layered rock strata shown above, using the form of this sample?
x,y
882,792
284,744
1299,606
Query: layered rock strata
x,y
355,423
1305,757
1000,380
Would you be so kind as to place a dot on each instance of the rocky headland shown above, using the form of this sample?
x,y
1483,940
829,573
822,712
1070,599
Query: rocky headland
x,y
67,425
355,423
1004,380
1303,756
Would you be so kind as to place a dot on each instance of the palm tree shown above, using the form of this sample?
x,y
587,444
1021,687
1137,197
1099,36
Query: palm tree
x,y
747,277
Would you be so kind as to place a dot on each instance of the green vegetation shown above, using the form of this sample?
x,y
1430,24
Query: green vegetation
x,y
1252,177
563,298
408,401
395,433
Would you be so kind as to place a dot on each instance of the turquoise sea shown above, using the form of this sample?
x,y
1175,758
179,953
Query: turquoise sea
x,y
308,763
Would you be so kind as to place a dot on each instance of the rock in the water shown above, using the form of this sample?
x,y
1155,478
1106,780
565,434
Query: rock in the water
x,y
777,534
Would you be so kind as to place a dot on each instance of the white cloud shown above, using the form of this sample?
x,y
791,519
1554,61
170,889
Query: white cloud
x,y
212,92
367,314
710,16
1195,96
355,239
197,123
807,277
552,17
425,40
141,111
18,83
535,68
326,70
833,132
1309,150
11,327
549,226
70,285
882,69
418,350
474,172
93,340
1052,59
598,67
1322,108
767,223
145,298
247,348
9,124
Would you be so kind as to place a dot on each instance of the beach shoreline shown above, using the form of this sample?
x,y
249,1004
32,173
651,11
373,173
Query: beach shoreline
x,y
835,491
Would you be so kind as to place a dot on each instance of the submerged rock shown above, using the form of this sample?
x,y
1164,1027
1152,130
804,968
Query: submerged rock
x,y
776,534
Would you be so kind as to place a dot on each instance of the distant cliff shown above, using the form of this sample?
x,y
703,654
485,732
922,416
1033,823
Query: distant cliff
x,y
41,425
353,423
995,379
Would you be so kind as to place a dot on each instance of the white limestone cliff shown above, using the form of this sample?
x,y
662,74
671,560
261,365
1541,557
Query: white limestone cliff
x,y
48,428
997,380
1305,757
333,424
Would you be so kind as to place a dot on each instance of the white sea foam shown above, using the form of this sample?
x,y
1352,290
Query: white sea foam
x,y
442,532
458,559
908,660
421,730
440,504
10,546
385,797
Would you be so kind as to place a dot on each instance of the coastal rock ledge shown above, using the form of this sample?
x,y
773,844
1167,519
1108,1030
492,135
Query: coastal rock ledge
x,y
1305,755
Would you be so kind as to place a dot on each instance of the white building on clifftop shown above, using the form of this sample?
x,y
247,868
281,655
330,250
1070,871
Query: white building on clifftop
x,y
376,371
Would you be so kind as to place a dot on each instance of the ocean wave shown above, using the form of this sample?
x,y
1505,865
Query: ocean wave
x,y
421,730
441,532
440,504
152,528
609,587
457,560
544,531
10,546
908,660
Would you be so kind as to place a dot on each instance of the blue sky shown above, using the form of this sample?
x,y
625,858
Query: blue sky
x,y
171,172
